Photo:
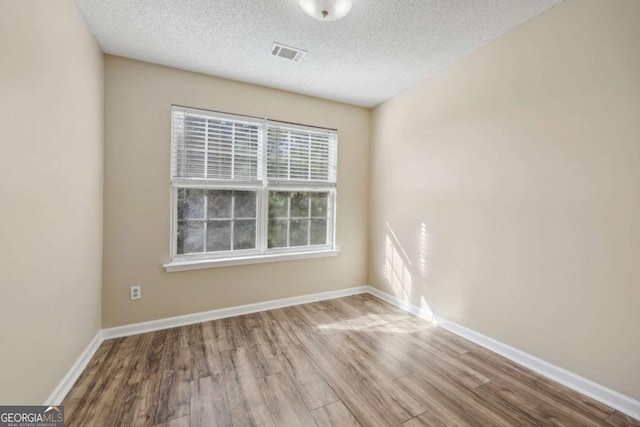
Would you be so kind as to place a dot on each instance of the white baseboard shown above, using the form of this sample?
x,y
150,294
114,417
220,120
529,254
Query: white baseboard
x,y
415,310
190,319
57,396
587,387
609,397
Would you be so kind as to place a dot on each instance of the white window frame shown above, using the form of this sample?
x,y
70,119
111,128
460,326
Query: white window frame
x,y
261,254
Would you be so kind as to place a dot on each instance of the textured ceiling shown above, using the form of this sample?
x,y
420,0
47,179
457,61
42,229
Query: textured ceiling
x,y
379,49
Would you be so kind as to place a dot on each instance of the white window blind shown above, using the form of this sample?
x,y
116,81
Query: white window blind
x,y
296,153
215,146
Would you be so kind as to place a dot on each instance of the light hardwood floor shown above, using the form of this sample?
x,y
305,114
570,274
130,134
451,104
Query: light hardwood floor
x,y
345,362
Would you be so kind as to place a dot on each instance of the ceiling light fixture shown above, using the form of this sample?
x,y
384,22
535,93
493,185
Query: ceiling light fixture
x,y
326,10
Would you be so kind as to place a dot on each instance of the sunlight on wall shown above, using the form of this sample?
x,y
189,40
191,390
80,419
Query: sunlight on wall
x,y
422,249
396,271
398,266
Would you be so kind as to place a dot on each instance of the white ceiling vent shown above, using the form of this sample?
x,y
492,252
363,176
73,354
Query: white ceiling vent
x,y
287,52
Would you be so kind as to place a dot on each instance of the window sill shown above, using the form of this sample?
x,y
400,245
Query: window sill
x,y
255,259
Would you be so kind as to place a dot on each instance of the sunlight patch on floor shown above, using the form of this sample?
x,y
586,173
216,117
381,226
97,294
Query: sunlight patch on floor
x,y
377,323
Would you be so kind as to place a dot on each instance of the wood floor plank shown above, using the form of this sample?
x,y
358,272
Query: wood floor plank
x,y
263,332
417,358
406,406
284,402
265,362
178,422
372,405
234,391
137,368
334,414
397,320
209,405
313,389
246,402
150,379
562,393
619,419
453,403
174,400
75,401
428,419
108,390
122,411
346,362
146,405
293,325
200,367
238,331
400,403
444,407
556,407
211,349
222,335
354,342
523,407
85,383
402,345
155,353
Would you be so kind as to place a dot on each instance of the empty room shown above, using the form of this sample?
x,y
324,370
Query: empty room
x,y
319,213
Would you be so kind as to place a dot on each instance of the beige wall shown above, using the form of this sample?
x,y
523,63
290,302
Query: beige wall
x,y
511,181
138,98
51,110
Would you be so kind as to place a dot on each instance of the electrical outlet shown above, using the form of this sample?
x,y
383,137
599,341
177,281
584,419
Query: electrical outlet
x,y
136,292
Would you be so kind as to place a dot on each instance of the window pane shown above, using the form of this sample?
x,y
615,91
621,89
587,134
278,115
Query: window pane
x,y
245,204
190,237
299,232
278,204
190,203
218,236
277,233
299,205
318,232
219,203
244,234
319,204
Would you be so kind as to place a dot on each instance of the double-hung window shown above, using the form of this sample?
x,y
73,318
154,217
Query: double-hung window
x,y
247,189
